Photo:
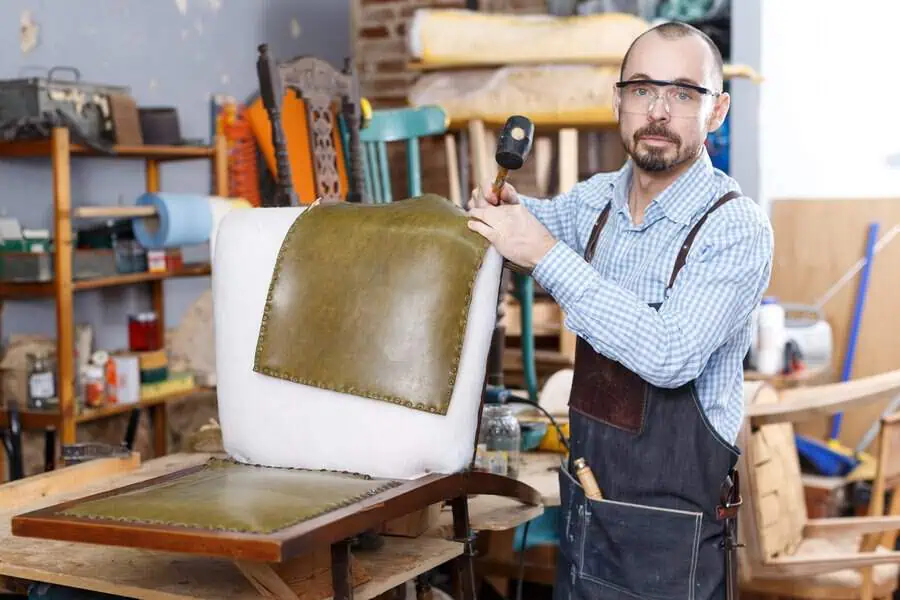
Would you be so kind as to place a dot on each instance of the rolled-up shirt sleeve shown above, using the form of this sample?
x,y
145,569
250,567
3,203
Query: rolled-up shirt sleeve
x,y
722,281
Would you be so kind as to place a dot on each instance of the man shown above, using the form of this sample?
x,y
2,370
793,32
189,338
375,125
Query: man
x,y
658,267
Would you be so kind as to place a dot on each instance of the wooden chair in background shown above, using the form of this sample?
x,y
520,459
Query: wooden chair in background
x,y
313,147
785,553
408,125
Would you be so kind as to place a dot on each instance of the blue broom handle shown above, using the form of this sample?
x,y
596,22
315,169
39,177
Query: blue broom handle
x,y
857,319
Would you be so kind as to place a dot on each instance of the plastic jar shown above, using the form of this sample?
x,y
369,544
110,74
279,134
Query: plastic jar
x,y
144,332
772,337
499,440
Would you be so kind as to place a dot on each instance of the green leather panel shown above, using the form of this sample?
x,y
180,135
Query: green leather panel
x,y
372,300
228,496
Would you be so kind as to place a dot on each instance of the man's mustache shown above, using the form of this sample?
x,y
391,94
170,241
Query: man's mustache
x,y
656,130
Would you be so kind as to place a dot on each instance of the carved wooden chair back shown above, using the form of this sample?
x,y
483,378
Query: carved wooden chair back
x,y
327,95
393,125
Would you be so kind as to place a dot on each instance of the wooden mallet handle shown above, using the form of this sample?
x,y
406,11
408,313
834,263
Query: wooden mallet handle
x,y
500,180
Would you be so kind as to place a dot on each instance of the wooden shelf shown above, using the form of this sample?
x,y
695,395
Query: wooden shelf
x,y
93,414
130,278
26,290
59,152
730,71
42,419
43,148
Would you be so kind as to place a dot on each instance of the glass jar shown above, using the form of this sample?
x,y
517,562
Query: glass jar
x,y
144,332
499,440
41,373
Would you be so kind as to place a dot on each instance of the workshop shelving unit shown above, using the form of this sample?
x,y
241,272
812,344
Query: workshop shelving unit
x,y
60,150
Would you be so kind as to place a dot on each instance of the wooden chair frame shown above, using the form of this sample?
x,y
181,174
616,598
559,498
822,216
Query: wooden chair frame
x,y
794,406
319,85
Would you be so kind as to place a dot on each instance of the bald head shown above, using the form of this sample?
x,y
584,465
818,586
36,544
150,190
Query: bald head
x,y
675,30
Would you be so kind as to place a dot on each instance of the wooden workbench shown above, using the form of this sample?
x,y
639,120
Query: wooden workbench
x,y
160,575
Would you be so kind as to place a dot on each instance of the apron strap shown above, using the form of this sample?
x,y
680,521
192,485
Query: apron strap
x,y
689,240
727,511
595,233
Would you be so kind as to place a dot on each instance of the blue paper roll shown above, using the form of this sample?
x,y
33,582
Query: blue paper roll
x,y
181,220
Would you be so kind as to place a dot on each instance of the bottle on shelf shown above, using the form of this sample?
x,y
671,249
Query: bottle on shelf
x,y
41,373
772,336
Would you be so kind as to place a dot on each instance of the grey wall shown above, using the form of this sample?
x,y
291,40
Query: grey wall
x,y
170,52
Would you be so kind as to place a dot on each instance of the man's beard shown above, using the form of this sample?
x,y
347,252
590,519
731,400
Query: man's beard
x,y
654,159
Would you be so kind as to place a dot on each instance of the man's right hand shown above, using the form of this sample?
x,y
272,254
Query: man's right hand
x,y
484,195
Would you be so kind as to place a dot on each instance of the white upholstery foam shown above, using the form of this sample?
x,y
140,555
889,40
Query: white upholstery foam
x,y
274,422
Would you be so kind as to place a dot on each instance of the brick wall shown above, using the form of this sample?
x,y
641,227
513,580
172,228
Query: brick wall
x,y
381,59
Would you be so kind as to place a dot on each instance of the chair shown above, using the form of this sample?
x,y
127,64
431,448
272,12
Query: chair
x,y
394,125
323,134
786,554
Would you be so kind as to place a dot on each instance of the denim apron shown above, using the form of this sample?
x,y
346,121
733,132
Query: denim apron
x,y
667,522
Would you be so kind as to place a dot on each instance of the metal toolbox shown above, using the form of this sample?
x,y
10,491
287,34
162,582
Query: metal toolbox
x,y
86,105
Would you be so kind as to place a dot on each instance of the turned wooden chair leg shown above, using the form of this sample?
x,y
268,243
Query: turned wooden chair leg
x,y
340,571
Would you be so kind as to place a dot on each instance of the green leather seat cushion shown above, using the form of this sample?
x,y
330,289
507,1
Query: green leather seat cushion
x,y
228,496
373,300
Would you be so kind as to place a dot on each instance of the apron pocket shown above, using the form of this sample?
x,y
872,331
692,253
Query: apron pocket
x,y
571,502
646,551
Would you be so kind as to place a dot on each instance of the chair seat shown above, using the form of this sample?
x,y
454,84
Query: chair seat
x,y
837,585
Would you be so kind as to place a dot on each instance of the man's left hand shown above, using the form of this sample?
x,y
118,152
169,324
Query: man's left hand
x,y
514,231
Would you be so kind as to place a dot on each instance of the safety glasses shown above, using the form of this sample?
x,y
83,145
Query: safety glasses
x,y
639,96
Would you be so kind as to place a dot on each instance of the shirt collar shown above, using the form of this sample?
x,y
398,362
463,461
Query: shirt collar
x,y
684,197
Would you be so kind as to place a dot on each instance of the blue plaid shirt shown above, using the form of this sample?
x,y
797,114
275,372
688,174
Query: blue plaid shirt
x,y
702,331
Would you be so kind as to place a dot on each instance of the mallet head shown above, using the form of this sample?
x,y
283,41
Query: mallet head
x,y
514,142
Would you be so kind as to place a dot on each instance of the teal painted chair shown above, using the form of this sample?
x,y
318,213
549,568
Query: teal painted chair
x,y
395,125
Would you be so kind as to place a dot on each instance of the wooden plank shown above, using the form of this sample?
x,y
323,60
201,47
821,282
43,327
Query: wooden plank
x,y
128,278
113,212
162,575
730,71
25,492
62,282
42,148
42,289
38,419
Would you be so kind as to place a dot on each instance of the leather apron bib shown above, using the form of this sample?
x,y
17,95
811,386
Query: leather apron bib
x,y
661,530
